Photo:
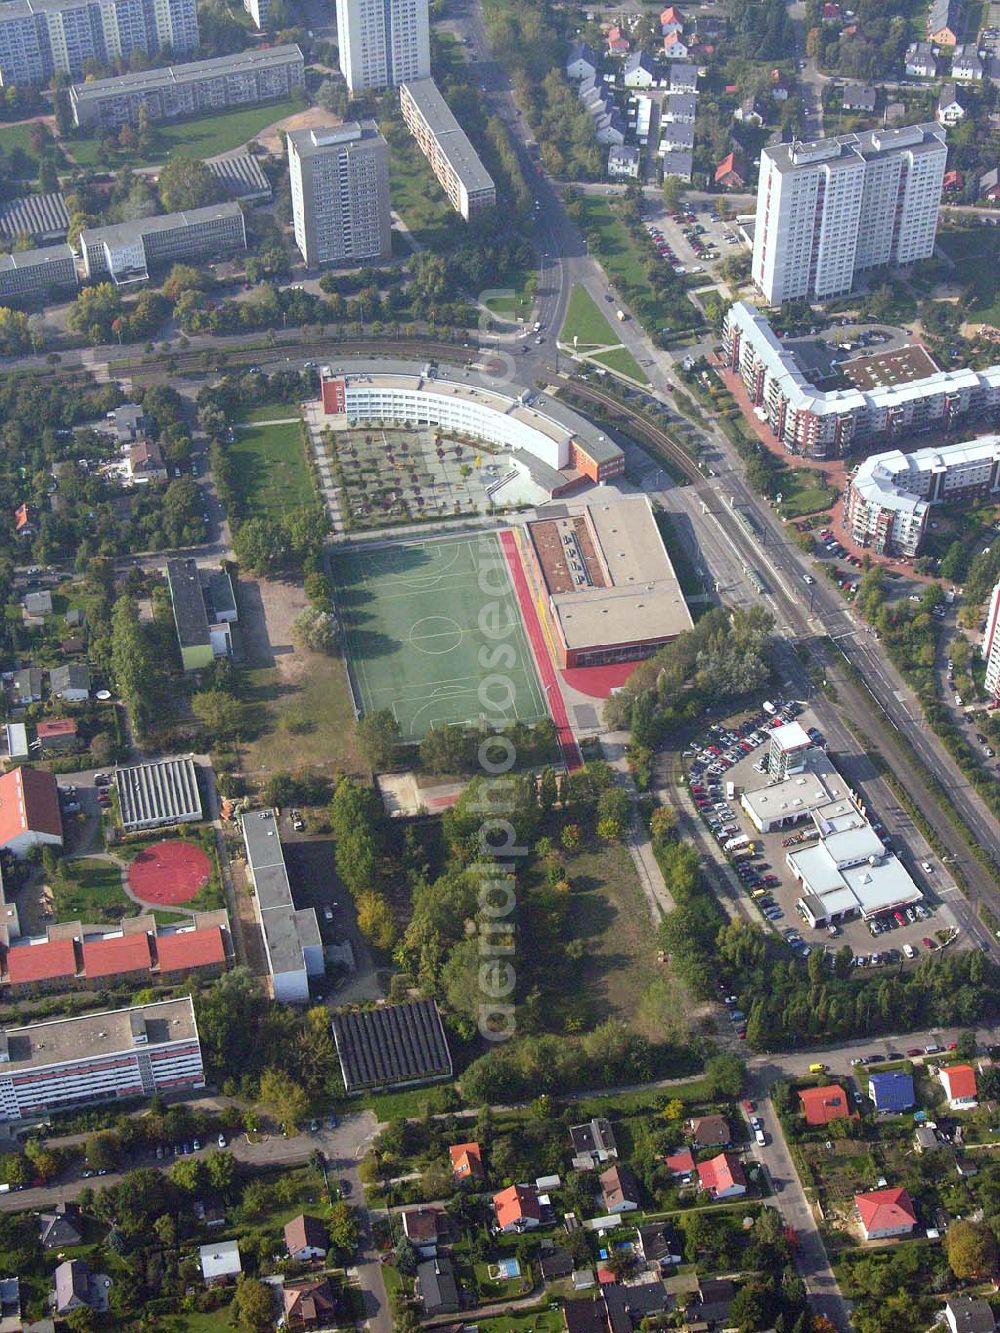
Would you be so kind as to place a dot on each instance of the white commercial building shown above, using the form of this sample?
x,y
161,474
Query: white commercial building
x,y
831,209
97,1058
821,423
890,495
291,936
340,193
454,161
991,645
383,43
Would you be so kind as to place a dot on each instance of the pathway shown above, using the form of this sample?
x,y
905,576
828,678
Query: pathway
x,y
637,839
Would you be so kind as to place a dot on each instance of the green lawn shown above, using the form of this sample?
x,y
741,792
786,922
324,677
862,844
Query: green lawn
x,y
271,466
206,136
416,195
620,256
975,254
91,890
308,722
804,492
621,360
17,136
586,323
271,412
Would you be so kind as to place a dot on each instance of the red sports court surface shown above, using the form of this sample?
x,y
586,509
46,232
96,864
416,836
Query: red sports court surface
x,y
543,661
598,681
168,873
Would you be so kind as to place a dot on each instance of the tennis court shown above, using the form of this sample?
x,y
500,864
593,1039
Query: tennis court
x,y
411,621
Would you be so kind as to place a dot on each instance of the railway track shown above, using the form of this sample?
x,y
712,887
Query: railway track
x,y
644,430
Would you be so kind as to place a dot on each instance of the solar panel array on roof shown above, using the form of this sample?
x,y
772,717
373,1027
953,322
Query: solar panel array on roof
x,y
165,792
43,217
400,1043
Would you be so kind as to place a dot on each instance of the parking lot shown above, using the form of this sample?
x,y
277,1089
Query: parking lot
x,y
691,242
732,759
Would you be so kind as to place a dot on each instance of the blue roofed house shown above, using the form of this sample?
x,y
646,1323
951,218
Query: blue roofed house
x,y
892,1091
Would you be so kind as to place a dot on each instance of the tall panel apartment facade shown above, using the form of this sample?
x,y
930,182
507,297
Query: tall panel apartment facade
x,y
454,161
340,193
39,38
831,209
991,644
383,43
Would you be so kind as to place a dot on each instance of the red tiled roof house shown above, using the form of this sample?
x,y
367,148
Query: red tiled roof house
x,y
466,1162
959,1083
885,1213
722,1177
821,1105
517,1208
29,811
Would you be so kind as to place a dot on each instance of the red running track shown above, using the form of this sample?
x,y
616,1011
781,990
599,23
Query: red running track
x,y
540,652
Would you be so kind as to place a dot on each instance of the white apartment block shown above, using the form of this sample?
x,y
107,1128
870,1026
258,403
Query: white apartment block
x,y
890,495
991,644
828,423
454,161
39,38
383,43
95,1058
831,209
340,193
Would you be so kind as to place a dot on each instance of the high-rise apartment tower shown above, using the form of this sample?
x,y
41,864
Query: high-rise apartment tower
x,y
383,43
340,193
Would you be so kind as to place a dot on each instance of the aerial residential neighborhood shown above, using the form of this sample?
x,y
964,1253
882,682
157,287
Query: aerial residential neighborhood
x,y
500,666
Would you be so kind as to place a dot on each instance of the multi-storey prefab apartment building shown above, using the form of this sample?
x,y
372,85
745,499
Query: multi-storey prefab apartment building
x,y
383,43
454,161
340,193
828,423
829,210
890,495
264,75
97,1058
991,644
39,38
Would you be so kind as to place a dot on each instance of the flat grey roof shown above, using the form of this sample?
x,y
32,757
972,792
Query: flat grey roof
x,y
158,793
313,143
799,155
190,72
188,601
126,233
41,258
286,931
451,138
96,1035
395,1043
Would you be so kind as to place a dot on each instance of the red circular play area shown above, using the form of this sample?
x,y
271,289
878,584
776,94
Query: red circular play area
x,y
167,873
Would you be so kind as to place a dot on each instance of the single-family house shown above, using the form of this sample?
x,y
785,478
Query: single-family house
x,y
25,520
131,422
676,138
58,1229
630,1305
10,1305
76,1287
680,108
710,1305
821,1105
951,109
639,70
675,48
966,64
780,87
27,686
953,180
660,1245
989,184
624,161
619,1190
309,1305
618,42
29,810
732,172
582,62
609,128
710,27
858,97
144,463
885,1213
37,605
671,20
72,646
959,1083
710,1131
891,1092
969,1314
683,77
436,1287
306,1238
722,1177
751,111
831,12
75,618
921,62
594,1139
220,1262
944,22
466,1162
680,1163
517,1209
679,163
925,1139
554,1262
57,734
586,1316
421,1227
70,683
